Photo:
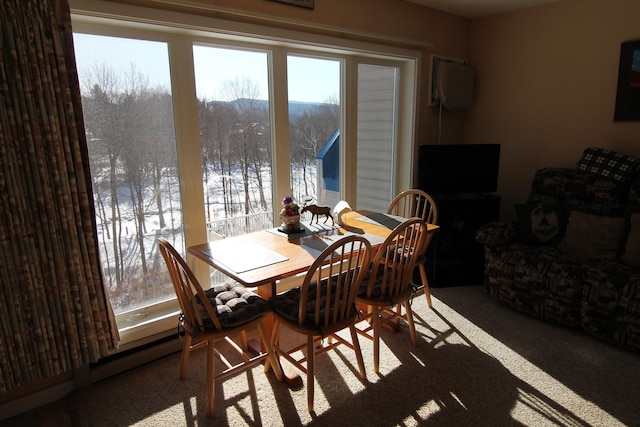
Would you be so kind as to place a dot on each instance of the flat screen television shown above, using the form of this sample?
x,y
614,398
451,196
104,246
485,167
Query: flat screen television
x,y
458,168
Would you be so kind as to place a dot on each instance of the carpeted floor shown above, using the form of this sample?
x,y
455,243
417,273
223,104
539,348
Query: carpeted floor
x,y
477,364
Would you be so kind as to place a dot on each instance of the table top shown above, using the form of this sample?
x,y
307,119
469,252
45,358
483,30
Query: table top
x,y
263,257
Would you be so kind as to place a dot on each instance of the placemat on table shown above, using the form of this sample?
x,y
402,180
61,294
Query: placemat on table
x,y
322,242
386,220
244,256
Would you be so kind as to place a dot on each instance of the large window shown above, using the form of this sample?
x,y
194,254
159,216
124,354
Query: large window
x,y
314,127
128,115
197,135
235,138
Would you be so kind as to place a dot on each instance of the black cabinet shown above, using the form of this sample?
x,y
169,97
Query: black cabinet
x,y
454,257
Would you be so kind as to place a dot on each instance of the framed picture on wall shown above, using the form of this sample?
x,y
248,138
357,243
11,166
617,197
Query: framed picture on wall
x,y
628,94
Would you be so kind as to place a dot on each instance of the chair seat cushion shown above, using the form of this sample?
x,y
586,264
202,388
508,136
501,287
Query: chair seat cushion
x,y
234,304
286,305
377,293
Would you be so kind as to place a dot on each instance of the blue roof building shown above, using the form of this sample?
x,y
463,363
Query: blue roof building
x,y
329,163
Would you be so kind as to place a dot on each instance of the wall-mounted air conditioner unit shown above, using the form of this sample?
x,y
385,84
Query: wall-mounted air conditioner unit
x,y
452,81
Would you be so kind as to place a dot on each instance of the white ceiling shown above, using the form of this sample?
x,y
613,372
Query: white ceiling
x,y
473,9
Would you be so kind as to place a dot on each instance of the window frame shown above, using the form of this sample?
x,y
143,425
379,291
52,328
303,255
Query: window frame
x,y
181,31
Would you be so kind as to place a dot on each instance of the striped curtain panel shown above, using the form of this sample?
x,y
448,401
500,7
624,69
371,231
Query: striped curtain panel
x,y
55,315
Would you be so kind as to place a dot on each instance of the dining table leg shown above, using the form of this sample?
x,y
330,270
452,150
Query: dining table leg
x,y
291,375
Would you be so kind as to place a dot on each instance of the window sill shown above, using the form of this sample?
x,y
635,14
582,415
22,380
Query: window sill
x,y
141,326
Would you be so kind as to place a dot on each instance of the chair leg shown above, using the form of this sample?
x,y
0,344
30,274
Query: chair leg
x,y
412,327
211,369
310,378
398,316
186,352
425,284
356,347
244,343
375,319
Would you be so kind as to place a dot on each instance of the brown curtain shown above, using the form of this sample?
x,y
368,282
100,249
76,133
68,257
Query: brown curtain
x,y
55,314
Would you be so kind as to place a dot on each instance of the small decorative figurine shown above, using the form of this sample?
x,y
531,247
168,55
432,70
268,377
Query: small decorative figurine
x,y
290,215
316,211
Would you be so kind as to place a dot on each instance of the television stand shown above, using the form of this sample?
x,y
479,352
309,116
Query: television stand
x,y
454,258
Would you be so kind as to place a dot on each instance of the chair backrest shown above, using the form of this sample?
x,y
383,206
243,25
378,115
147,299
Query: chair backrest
x,y
414,203
393,263
187,287
340,268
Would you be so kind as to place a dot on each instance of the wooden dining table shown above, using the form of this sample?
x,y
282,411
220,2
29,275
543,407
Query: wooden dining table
x,y
263,259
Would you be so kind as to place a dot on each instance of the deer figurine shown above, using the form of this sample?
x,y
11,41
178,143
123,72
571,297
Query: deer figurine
x,y
316,211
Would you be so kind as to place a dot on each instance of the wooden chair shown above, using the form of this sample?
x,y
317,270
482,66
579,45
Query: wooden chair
x,y
388,286
417,203
216,315
323,306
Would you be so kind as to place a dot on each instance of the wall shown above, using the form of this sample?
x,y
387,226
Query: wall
x,y
546,84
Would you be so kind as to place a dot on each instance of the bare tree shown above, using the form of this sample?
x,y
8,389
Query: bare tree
x,y
248,133
309,132
135,159
162,145
100,111
262,153
216,120
131,145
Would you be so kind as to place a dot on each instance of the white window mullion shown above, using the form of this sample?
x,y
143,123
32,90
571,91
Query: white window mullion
x,y
407,104
280,126
188,145
349,131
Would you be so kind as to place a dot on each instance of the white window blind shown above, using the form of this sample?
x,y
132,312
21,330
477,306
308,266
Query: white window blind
x,y
376,136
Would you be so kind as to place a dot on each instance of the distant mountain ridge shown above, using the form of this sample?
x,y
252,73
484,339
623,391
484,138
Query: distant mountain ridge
x,y
296,108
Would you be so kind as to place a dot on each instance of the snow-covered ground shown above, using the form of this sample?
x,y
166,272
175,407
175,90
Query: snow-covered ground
x,y
137,291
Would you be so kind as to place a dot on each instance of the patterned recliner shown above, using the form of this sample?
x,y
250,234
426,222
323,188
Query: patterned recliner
x,y
600,296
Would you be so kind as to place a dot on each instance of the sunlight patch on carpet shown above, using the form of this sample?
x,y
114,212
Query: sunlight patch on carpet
x,y
539,394
422,414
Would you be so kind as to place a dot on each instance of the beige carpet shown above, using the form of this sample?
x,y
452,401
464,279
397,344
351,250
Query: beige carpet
x,y
477,364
